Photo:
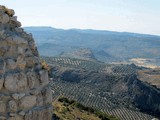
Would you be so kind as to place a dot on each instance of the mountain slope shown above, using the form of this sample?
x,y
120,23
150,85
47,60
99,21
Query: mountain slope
x,y
114,89
106,45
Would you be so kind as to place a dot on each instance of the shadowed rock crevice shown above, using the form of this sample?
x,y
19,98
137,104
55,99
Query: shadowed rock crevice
x,y
24,91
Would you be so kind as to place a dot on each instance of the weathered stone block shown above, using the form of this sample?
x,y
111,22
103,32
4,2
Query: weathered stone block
x,y
17,117
20,50
20,59
35,91
12,106
30,61
16,82
21,63
22,81
18,96
2,107
28,102
41,114
11,64
28,52
31,77
10,83
15,24
5,19
47,94
14,18
11,51
40,101
19,40
44,80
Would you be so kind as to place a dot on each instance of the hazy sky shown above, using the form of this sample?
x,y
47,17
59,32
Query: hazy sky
x,y
142,16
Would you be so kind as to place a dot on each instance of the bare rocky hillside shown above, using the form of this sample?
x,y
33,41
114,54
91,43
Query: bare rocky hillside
x,y
112,88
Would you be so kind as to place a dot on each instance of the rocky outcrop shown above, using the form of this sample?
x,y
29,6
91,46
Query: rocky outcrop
x,y
83,53
145,96
24,91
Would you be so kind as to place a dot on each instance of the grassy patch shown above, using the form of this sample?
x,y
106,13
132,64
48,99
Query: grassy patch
x,y
67,109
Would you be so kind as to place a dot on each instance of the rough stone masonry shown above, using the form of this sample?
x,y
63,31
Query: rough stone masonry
x,y
24,91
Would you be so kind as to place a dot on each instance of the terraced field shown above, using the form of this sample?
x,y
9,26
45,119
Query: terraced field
x,y
86,96
78,93
95,94
75,63
89,65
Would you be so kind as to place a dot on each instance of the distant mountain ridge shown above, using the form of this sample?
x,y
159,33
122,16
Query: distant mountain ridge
x,y
93,31
113,46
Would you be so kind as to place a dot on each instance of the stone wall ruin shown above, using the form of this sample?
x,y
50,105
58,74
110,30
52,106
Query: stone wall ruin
x,y
24,91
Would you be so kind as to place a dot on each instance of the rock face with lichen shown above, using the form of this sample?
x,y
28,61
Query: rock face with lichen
x,y
24,91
